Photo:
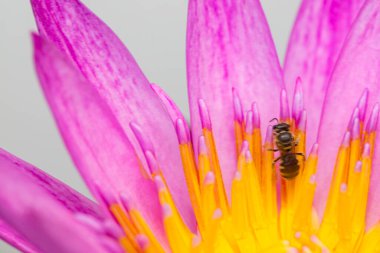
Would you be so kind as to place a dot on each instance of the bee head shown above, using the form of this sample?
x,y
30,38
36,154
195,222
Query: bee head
x,y
281,127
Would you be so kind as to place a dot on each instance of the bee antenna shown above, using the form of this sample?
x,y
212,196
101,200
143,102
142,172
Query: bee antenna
x,y
274,119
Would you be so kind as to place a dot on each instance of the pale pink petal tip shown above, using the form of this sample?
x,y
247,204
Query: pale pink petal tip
x,y
256,115
152,162
144,142
298,105
269,135
166,210
358,166
182,132
355,129
204,114
209,178
142,241
302,121
238,108
346,139
284,106
366,150
362,104
314,149
249,122
373,119
202,147
248,156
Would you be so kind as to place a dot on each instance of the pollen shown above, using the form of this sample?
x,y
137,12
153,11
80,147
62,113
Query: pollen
x,y
266,212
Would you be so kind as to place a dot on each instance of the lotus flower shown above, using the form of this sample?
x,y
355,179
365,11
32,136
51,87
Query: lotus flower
x,y
161,187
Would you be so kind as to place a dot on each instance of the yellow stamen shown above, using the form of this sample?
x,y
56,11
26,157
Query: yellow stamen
x,y
252,221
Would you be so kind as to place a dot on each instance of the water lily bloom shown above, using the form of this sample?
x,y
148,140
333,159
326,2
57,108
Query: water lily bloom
x,y
162,186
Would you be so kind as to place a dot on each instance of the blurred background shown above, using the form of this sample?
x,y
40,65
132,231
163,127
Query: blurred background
x,y
154,31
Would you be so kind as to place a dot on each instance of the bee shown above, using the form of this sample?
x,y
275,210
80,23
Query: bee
x,y
285,142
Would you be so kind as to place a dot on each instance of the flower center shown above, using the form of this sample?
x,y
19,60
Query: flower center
x,y
258,217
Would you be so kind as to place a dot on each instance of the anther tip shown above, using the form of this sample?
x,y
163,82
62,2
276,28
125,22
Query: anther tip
x,y
238,175
107,197
301,125
284,105
248,156
343,187
159,183
204,114
144,143
313,179
372,122
238,108
346,139
256,115
297,106
152,162
209,178
366,150
166,210
362,104
125,201
181,130
142,241
356,129
249,122
244,147
269,135
314,149
358,166
217,214
196,241
202,147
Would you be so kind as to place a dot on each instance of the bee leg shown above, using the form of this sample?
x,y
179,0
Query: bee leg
x,y
271,149
274,119
301,154
275,160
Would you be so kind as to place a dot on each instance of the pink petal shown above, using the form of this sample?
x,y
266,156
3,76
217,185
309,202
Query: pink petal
x,y
314,46
229,45
93,136
40,209
13,238
358,68
108,65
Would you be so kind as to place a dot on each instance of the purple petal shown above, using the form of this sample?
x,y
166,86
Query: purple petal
x,y
229,46
107,64
358,68
40,209
93,136
314,46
